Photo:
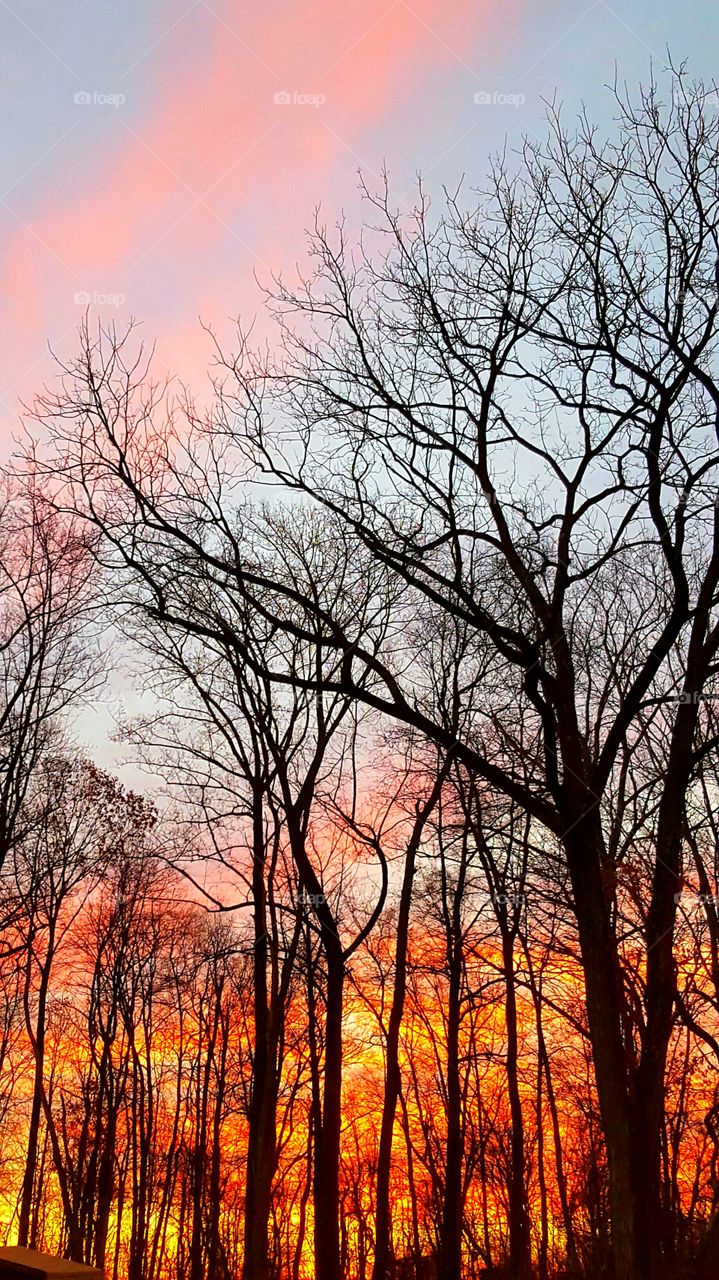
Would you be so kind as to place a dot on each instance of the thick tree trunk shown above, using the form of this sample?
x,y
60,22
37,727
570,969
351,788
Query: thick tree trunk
x,y
261,1147
414,1206
199,1163
327,1153
326,1177
660,1004
584,846
216,1269
520,1256
105,1170
450,1249
33,1135
37,1038
393,1081
260,1175
383,1235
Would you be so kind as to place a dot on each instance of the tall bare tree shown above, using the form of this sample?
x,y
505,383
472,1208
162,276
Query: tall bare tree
x,y
509,416
515,410
46,658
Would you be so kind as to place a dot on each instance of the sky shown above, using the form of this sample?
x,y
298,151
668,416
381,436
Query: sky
x,y
161,159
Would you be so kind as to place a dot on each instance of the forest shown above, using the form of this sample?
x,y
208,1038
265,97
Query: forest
x,y
403,962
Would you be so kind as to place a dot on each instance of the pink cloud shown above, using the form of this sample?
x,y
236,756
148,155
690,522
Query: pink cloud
x,y
217,178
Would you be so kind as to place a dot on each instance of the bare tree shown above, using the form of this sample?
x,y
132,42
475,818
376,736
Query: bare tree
x,y
514,410
46,659
80,818
509,417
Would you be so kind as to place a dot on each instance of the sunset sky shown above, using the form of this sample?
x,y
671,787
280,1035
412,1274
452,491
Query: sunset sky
x,y
359,728
161,159
153,165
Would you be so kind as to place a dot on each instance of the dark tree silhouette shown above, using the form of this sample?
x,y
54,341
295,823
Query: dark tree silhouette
x,y
508,417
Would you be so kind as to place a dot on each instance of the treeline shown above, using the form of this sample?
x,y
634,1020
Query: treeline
x,y
128,1052
425,609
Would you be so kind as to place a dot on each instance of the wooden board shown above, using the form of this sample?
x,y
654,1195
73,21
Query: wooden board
x,y
17,1263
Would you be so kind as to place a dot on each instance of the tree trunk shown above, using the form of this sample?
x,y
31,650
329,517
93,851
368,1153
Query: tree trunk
x,y
648,1105
450,1249
327,1154
584,846
37,1040
383,1243
261,1144
328,1133
520,1258
383,1234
